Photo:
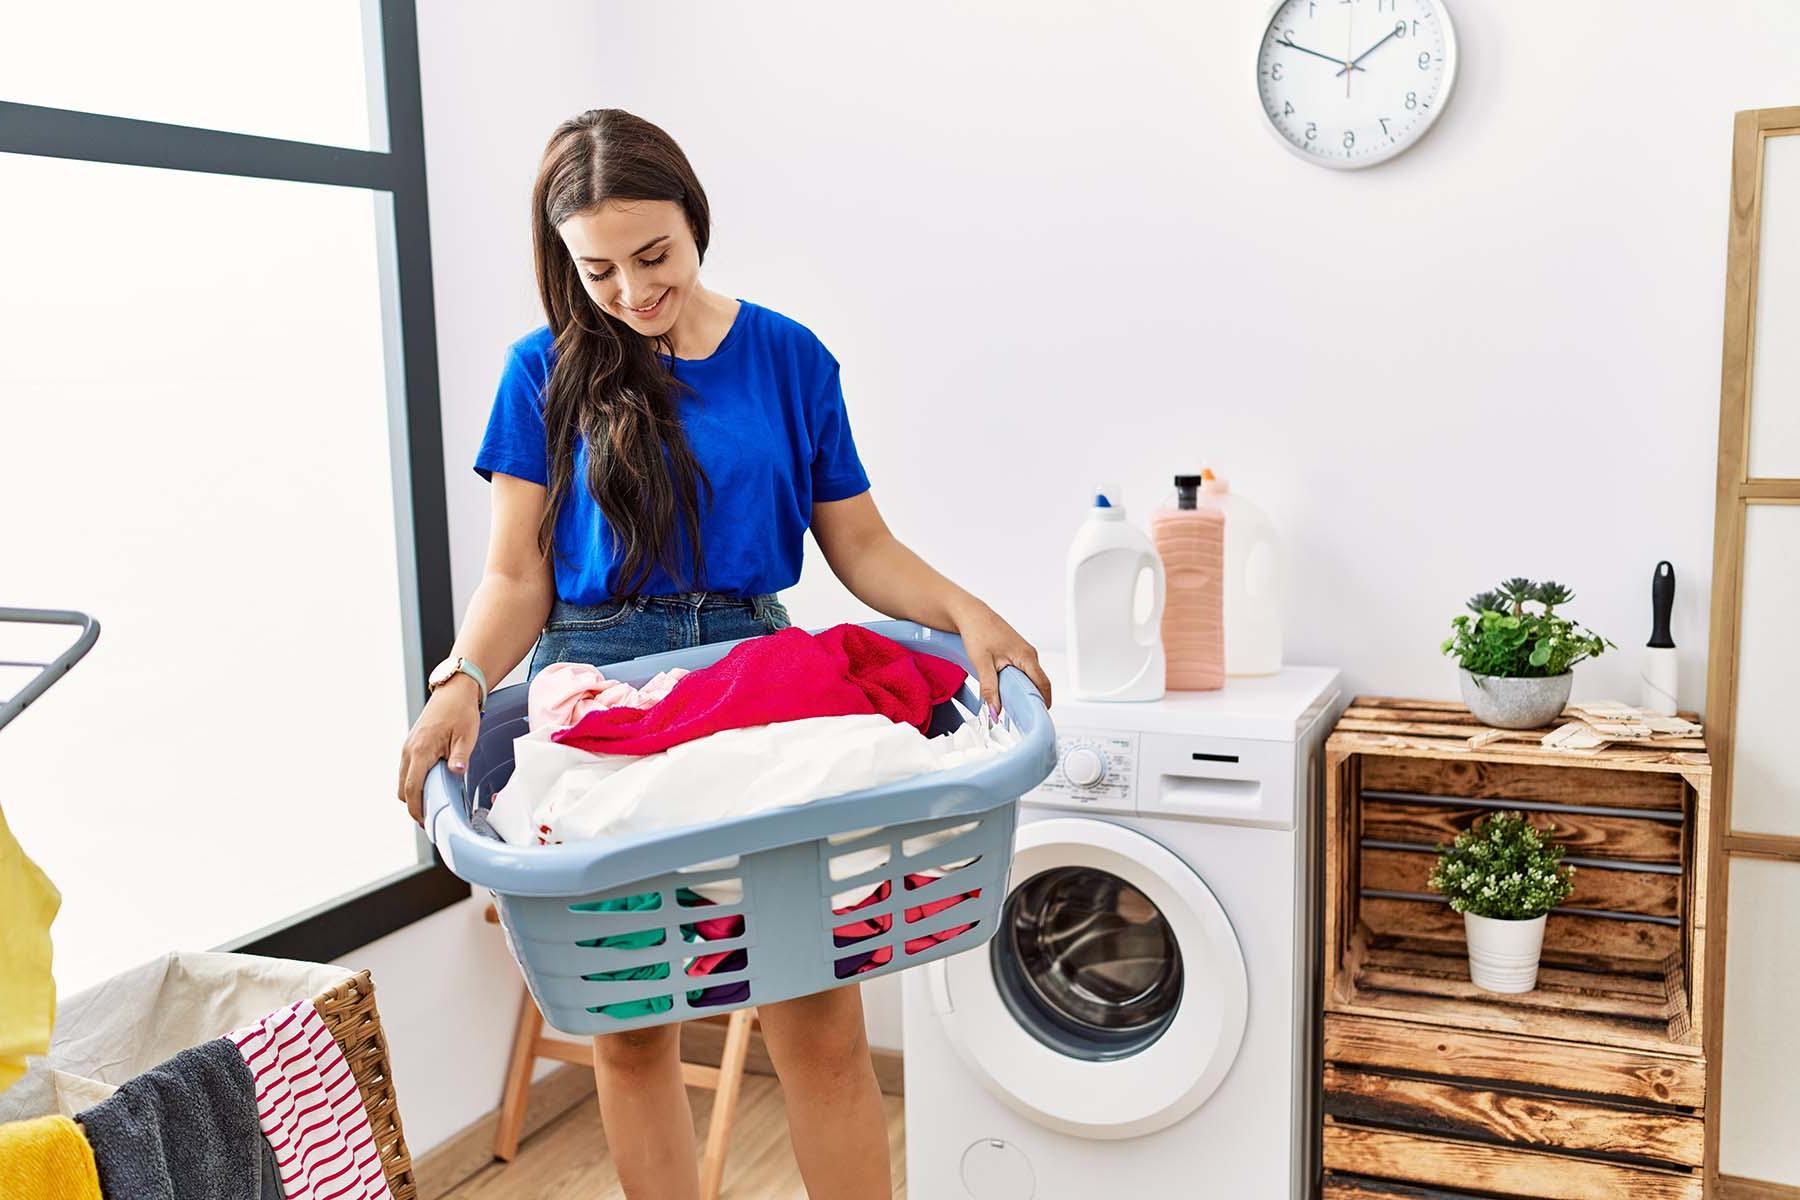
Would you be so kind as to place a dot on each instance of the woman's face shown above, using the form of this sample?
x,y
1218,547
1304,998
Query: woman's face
x,y
637,259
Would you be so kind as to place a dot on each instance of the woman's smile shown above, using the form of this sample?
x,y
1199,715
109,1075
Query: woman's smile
x,y
649,313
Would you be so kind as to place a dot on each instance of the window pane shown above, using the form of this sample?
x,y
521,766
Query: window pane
x,y
1765,794
1762,1046
197,452
294,71
1775,377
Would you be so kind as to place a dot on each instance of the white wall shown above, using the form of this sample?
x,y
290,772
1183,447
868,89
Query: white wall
x,y
1051,242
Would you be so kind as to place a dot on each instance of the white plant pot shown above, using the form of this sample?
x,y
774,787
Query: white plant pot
x,y
1503,955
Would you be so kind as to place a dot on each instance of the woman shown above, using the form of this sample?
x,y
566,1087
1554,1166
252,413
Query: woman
x,y
657,452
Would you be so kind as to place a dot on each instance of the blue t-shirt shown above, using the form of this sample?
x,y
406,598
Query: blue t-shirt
x,y
765,418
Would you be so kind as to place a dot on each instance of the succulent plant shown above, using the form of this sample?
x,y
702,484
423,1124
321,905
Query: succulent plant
x,y
1551,594
1516,591
1504,639
1486,602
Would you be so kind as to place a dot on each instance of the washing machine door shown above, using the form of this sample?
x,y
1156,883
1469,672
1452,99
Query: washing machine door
x,y
1111,1000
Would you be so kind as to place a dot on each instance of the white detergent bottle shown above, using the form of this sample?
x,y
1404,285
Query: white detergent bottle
x,y
1112,654
1252,581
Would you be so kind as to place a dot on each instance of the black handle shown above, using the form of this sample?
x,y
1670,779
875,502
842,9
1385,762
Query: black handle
x,y
1662,599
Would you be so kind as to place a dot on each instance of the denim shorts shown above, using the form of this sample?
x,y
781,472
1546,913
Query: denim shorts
x,y
617,630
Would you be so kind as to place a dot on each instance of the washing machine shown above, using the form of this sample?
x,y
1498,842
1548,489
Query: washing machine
x,y
1143,1021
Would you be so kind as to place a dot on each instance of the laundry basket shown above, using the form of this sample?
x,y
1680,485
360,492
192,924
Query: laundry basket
x,y
787,864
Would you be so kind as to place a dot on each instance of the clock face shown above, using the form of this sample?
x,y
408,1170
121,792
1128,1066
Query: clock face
x,y
1349,83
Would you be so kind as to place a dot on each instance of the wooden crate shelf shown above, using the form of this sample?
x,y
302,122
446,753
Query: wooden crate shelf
x,y
1591,1085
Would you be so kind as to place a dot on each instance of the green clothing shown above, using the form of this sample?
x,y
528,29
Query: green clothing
x,y
637,940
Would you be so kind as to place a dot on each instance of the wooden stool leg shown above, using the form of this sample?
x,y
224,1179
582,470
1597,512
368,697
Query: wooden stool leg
x,y
518,1078
724,1110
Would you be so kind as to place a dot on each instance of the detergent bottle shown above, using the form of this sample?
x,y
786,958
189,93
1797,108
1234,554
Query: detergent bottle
x,y
1113,655
1252,581
1190,539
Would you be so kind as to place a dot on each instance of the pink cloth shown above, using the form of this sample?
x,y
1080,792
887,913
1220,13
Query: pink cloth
x,y
785,676
310,1109
562,693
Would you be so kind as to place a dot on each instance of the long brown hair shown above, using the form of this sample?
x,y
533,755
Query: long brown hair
x,y
607,384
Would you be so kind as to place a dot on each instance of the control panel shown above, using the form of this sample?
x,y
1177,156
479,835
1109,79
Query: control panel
x,y
1093,770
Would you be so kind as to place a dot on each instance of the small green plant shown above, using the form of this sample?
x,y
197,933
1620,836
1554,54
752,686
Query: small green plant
x,y
1505,638
1503,867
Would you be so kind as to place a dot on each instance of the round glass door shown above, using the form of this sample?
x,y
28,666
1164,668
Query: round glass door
x,y
1087,964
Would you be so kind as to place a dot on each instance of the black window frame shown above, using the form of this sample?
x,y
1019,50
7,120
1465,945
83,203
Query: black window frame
x,y
342,925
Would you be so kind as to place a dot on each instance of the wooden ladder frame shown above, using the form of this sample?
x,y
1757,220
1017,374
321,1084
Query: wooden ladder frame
x,y
1737,490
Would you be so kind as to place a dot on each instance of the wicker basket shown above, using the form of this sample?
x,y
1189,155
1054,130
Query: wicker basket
x,y
349,1012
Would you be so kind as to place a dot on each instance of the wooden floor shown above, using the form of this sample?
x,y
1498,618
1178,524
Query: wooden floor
x,y
568,1158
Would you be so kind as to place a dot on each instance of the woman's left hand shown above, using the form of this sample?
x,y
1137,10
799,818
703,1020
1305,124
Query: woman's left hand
x,y
992,644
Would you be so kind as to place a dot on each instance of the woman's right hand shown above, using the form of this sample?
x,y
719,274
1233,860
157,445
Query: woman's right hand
x,y
446,729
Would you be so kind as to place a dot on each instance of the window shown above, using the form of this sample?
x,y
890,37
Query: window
x,y
218,377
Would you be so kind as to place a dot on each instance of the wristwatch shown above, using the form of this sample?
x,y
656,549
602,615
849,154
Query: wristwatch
x,y
442,673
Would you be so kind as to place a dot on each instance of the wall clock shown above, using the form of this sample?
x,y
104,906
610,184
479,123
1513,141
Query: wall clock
x,y
1350,83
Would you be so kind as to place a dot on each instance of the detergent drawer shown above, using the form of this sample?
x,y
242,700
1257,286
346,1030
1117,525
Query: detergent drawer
x,y
1234,780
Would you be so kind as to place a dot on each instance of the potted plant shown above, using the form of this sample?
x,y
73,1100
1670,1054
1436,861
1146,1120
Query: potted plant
x,y
1517,664
1504,877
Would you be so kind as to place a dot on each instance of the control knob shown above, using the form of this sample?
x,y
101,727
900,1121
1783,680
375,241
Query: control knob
x,y
1084,766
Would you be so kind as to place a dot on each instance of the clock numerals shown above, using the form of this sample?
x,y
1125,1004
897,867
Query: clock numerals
x,y
1334,66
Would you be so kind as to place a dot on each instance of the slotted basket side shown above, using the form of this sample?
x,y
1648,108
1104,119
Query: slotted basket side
x,y
349,1012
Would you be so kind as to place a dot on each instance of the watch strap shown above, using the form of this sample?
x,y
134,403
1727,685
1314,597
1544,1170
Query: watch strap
x,y
474,672
447,669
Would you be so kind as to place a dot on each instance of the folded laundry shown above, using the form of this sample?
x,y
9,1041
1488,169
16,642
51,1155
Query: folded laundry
x,y
47,1158
790,675
562,693
186,1128
309,1108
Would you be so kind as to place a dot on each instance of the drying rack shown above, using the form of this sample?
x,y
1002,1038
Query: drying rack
x,y
47,672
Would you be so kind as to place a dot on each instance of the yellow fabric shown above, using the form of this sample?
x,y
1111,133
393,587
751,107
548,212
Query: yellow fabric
x,y
28,903
47,1159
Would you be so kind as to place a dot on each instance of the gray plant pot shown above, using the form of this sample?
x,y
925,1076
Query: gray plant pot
x,y
1516,703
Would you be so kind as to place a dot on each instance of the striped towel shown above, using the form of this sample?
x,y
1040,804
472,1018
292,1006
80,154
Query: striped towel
x,y
310,1109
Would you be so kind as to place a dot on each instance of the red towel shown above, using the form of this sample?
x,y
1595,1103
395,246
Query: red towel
x,y
784,676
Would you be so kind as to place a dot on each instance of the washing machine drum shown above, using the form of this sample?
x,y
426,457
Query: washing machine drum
x,y
1086,963
1111,1000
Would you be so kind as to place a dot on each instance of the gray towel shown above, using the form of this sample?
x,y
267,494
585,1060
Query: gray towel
x,y
186,1129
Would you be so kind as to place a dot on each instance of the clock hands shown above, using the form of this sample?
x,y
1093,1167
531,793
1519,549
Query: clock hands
x,y
1352,64
1327,57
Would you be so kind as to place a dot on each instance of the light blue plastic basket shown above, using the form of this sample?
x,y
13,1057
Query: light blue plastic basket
x,y
782,859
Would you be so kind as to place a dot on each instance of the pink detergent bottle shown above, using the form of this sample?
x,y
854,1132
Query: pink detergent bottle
x,y
1190,538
